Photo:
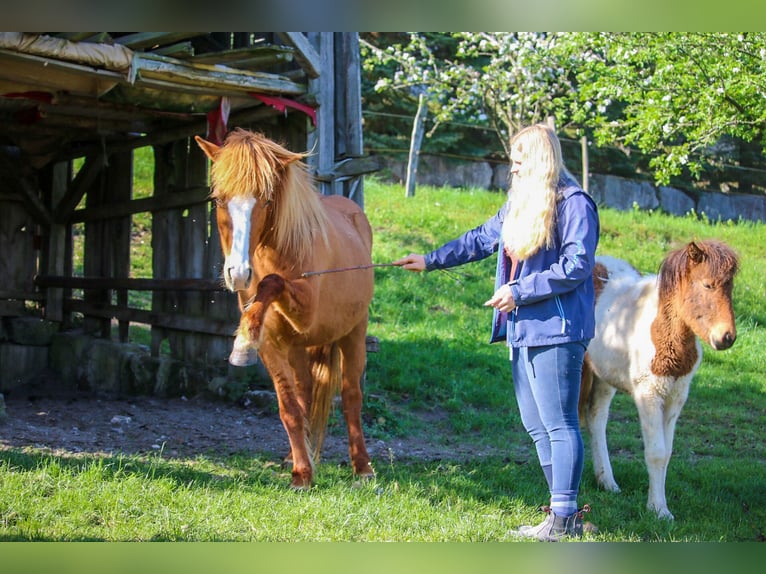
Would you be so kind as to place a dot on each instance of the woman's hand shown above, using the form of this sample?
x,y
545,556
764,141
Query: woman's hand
x,y
502,300
412,262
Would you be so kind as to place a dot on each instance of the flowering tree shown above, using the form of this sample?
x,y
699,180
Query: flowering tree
x,y
676,97
673,95
506,79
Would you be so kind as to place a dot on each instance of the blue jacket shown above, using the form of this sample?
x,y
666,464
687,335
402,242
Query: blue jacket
x,y
553,289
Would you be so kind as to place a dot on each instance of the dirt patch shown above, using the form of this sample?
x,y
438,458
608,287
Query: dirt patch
x,y
80,423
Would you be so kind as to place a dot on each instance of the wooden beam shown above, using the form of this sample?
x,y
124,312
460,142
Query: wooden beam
x,y
167,73
306,56
157,137
267,52
352,167
187,198
82,181
164,320
144,40
181,50
21,295
129,283
29,196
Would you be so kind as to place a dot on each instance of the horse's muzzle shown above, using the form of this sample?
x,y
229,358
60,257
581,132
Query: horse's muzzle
x,y
724,341
238,278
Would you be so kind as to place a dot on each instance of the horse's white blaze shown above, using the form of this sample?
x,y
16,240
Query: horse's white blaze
x,y
237,269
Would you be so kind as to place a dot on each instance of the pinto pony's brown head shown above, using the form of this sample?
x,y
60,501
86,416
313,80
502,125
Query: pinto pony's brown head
x,y
698,280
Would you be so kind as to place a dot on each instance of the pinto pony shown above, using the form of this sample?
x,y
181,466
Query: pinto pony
x,y
647,345
309,331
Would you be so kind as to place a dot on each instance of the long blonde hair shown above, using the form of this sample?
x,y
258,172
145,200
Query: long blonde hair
x,y
530,220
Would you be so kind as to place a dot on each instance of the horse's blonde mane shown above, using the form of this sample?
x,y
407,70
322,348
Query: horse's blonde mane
x,y
249,164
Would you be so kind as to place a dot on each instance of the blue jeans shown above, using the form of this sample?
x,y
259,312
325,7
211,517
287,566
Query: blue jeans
x,y
547,384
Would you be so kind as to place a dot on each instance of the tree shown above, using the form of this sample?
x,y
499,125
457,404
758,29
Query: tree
x,y
504,79
672,95
684,100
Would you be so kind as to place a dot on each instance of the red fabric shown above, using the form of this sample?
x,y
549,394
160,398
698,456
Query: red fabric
x,y
281,104
217,120
45,97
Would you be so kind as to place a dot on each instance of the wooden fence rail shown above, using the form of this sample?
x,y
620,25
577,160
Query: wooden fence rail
x,y
124,313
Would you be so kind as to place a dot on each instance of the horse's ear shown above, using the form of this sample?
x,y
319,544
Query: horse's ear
x,y
289,157
210,149
695,253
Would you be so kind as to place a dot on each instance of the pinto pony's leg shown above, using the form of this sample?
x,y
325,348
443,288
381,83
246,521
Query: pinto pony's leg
x,y
354,351
597,415
658,422
656,455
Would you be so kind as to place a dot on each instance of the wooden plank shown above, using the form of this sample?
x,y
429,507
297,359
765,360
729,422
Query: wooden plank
x,y
119,182
129,283
36,73
351,167
21,295
306,56
144,40
322,139
82,181
228,57
181,50
159,137
75,36
153,318
186,198
57,245
154,71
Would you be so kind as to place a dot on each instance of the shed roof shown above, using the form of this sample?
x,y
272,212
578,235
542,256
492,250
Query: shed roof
x,y
64,94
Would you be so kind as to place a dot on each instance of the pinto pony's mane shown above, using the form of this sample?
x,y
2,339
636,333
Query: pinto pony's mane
x,y
250,165
721,260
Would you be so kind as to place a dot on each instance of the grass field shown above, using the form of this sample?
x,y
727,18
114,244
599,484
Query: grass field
x,y
434,356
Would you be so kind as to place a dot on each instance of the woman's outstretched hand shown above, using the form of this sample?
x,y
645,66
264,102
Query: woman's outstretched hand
x,y
412,262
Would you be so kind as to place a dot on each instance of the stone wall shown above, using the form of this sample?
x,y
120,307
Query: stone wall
x,y
608,190
33,350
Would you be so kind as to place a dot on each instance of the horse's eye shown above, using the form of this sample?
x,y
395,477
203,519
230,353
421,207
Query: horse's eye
x,y
707,285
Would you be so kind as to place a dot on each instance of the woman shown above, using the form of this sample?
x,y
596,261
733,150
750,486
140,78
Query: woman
x,y
546,235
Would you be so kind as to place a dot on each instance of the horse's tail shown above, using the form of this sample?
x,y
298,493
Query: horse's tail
x,y
326,373
586,386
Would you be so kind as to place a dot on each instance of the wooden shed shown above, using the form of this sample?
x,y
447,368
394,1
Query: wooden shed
x,y
77,108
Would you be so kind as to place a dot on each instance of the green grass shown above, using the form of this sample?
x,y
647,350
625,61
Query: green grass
x,y
435,359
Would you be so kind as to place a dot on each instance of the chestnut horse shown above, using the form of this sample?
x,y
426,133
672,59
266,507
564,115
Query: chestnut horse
x,y
309,331
647,345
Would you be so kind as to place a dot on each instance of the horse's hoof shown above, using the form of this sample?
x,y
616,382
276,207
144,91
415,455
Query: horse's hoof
x,y
662,513
243,357
363,479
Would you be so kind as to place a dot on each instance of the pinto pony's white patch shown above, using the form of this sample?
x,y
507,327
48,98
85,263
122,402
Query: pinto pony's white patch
x,y
647,345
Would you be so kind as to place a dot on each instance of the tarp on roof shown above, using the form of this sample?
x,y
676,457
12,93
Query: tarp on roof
x,y
115,57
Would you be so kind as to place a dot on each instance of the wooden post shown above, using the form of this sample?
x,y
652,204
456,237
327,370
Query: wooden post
x,y
57,245
415,143
321,140
584,147
551,121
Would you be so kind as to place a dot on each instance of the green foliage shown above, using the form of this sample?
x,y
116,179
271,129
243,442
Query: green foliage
x,y
437,376
685,108
673,95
